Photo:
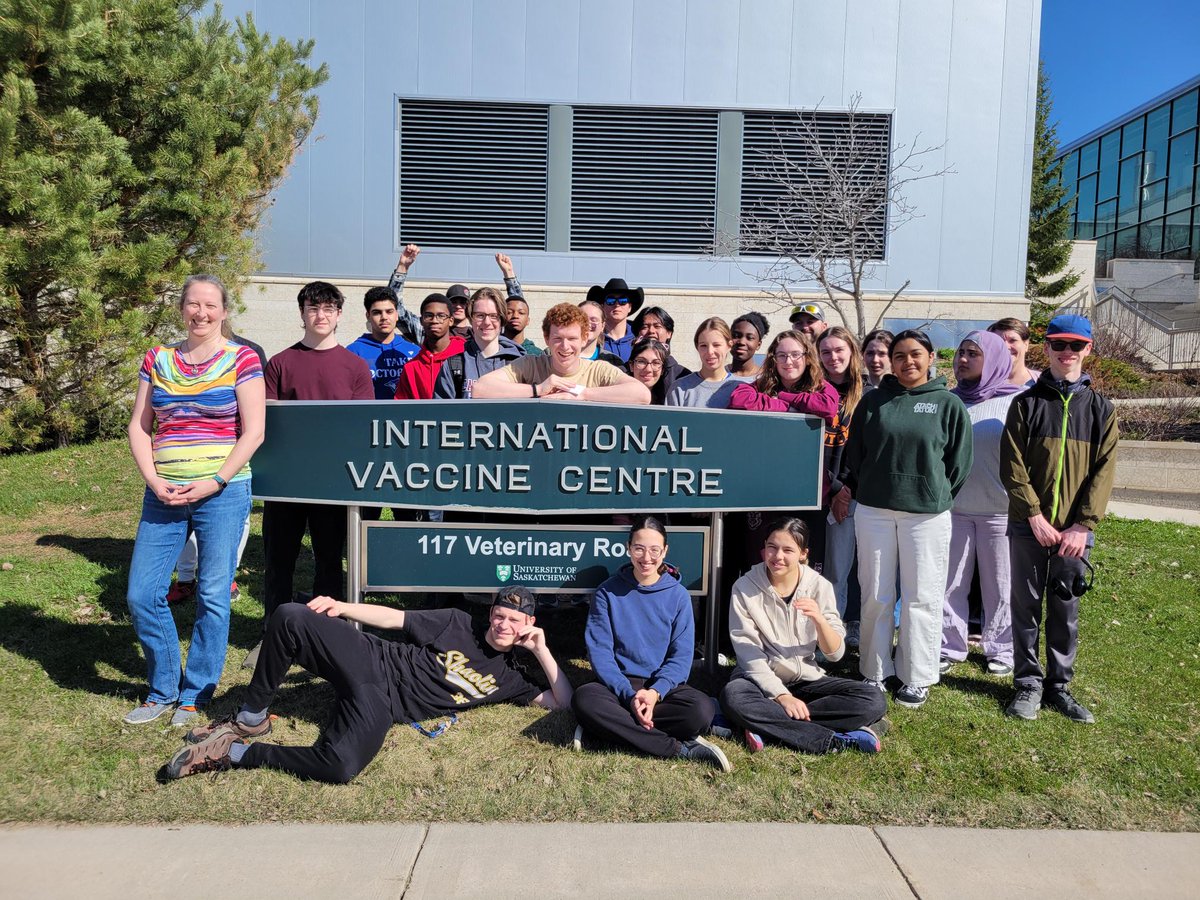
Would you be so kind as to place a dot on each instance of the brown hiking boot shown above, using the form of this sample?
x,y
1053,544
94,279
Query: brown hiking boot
x,y
202,733
210,756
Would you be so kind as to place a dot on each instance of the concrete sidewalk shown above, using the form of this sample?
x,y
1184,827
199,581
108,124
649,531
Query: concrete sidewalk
x,y
625,861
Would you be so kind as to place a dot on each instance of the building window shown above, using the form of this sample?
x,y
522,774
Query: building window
x,y
625,179
473,174
799,174
643,180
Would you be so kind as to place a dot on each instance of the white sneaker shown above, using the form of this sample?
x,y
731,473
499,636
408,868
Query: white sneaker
x,y
577,740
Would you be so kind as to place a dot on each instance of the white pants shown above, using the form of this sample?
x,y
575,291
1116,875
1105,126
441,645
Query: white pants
x,y
919,545
185,566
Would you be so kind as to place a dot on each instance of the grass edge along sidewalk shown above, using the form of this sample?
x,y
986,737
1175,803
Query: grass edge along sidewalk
x,y
71,668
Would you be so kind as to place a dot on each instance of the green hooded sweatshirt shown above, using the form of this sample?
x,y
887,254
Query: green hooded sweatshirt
x,y
909,450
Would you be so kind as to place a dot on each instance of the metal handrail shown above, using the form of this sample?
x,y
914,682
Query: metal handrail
x,y
1140,309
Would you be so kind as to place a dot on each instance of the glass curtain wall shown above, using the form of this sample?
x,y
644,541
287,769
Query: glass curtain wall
x,y
1136,188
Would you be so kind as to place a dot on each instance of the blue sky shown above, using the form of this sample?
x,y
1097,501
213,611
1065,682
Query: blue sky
x,y
1104,57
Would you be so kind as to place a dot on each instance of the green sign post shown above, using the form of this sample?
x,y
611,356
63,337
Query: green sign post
x,y
552,459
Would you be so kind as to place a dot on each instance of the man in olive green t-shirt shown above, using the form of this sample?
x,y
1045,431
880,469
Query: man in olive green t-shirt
x,y
560,374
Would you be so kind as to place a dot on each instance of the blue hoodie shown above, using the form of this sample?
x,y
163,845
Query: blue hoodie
x,y
386,361
641,631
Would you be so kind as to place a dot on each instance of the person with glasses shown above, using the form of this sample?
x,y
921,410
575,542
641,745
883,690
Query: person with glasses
x,y
657,323
907,456
1058,458
640,640
315,368
560,373
594,310
486,350
791,381
648,363
420,374
619,301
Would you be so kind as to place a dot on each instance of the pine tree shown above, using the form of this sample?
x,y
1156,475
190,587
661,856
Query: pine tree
x,y
1049,218
139,142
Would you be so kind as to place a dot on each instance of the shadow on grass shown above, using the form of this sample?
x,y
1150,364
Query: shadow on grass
x,y
113,554
71,653
1000,692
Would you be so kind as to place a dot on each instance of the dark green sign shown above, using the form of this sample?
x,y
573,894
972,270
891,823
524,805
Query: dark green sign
x,y
543,456
419,557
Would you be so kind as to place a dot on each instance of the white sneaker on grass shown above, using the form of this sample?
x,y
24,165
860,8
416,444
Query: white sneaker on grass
x,y
577,740
147,713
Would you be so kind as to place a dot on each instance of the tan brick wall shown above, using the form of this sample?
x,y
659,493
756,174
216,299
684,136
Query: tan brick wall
x,y
272,318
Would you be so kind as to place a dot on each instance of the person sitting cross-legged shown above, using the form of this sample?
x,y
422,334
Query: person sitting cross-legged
x,y
446,664
781,613
640,637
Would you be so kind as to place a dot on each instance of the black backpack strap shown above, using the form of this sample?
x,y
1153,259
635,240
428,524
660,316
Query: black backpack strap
x,y
457,375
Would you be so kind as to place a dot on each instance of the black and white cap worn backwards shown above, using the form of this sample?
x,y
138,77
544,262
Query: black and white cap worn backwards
x,y
516,597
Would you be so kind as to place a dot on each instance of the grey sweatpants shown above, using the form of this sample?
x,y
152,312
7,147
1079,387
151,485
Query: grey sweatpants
x,y
1030,561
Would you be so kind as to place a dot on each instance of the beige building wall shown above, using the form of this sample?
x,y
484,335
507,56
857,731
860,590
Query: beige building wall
x,y
272,318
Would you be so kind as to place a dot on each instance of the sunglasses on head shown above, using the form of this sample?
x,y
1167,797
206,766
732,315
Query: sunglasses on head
x,y
1060,345
616,301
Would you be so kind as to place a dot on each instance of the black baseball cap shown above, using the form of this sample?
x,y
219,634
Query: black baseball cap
x,y
516,597
458,292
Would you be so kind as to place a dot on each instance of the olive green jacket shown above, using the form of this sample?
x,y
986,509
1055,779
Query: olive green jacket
x,y
1058,454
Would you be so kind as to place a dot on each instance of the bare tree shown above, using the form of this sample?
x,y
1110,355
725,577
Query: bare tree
x,y
827,190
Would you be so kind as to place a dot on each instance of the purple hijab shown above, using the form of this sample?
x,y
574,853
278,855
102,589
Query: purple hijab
x,y
997,366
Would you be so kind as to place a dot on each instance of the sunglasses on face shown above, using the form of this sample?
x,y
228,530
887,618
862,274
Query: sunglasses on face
x,y
616,301
1059,346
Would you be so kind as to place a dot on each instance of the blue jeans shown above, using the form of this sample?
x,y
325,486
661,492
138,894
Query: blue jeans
x,y
217,522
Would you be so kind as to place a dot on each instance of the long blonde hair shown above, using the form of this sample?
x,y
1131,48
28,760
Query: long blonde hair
x,y
854,391
814,376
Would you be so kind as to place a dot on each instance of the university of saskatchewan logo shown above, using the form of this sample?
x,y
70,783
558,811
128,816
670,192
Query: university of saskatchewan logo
x,y
503,573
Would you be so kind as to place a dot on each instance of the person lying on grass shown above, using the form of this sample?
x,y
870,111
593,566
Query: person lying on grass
x,y
781,613
445,664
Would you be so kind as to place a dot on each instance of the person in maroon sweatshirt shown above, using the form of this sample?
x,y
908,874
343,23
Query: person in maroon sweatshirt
x,y
317,367
420,374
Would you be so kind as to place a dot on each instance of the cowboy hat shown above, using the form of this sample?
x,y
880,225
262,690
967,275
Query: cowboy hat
x,y
616,287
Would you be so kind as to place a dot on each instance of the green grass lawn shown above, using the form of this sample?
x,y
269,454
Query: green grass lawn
x,y
70,668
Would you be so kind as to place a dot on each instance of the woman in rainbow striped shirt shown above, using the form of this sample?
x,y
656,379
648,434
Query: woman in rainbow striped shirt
x,y
197,419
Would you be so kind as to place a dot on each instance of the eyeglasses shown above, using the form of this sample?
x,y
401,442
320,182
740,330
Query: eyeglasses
x,y
1059,346
616,301
435,317
642,550
793,356
325,309
647,364
485,317
810,309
